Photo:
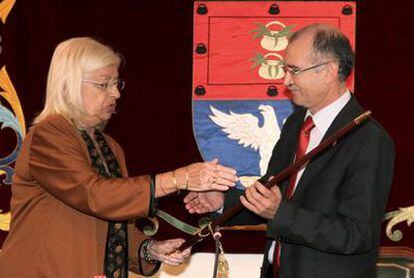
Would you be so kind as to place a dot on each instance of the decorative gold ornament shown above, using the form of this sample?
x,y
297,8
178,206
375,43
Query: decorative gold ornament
x,y
398,216
12,119
5,8
10,95
16,121
5,221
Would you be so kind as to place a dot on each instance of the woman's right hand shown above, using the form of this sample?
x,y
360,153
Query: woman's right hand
x,y
203,176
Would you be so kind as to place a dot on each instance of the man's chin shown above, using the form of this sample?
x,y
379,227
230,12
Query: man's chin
x,y
296,98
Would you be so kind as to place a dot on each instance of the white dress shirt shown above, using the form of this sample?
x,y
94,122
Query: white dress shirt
x,y
322,120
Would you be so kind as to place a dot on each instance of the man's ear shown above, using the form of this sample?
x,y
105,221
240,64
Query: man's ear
x,y
331,72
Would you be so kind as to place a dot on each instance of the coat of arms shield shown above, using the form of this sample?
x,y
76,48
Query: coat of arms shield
x,y
239,100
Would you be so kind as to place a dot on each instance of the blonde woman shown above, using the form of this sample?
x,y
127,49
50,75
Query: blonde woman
x,y
73,204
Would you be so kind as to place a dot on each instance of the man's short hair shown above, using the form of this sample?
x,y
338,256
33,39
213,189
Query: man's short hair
x,y
330,42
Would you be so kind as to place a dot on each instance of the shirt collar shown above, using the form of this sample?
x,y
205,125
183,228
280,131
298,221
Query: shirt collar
x,y
324,117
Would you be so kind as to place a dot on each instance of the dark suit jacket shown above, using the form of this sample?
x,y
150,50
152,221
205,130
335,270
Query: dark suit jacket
x,y
331,226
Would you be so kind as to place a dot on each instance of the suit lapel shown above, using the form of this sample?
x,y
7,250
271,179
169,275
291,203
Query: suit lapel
x,y
351,110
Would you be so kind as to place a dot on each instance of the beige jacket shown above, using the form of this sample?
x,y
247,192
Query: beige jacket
x,y
60,207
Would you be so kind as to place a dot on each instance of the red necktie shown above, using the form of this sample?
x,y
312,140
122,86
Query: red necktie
x,y
303,143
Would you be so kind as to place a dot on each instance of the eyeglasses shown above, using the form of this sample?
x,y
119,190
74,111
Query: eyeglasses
x,y
296,71
118,83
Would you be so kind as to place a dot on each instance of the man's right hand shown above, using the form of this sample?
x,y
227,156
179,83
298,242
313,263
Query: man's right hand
x,y
202,202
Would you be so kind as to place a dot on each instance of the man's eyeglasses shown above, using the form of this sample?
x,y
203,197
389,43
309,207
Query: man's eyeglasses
x,y
118,83
296,71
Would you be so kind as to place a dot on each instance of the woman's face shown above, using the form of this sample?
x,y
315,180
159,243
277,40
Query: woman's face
x,y
99,94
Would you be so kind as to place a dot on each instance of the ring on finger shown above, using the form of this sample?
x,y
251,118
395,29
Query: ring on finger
x,y
215,180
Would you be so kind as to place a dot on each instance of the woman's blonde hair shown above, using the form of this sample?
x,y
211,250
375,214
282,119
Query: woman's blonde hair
x,y
71,60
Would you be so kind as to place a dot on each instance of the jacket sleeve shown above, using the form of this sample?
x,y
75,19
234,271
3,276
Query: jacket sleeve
x,y
362,199
137,264
58,163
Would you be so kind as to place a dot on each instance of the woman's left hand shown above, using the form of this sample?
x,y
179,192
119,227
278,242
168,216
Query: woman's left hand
x,y
167,251
205,176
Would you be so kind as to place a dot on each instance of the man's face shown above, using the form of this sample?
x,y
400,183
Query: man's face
x,y
309,88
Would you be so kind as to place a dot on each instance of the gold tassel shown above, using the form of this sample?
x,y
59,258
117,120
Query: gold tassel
x,y
223,270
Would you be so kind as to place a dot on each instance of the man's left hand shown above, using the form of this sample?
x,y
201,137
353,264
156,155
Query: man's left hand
x,y
262,201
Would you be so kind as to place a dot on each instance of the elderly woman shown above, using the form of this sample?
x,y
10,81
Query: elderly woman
x,y
73,204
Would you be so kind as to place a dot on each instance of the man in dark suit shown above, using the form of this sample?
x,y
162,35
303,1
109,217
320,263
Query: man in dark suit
x,y
325,220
